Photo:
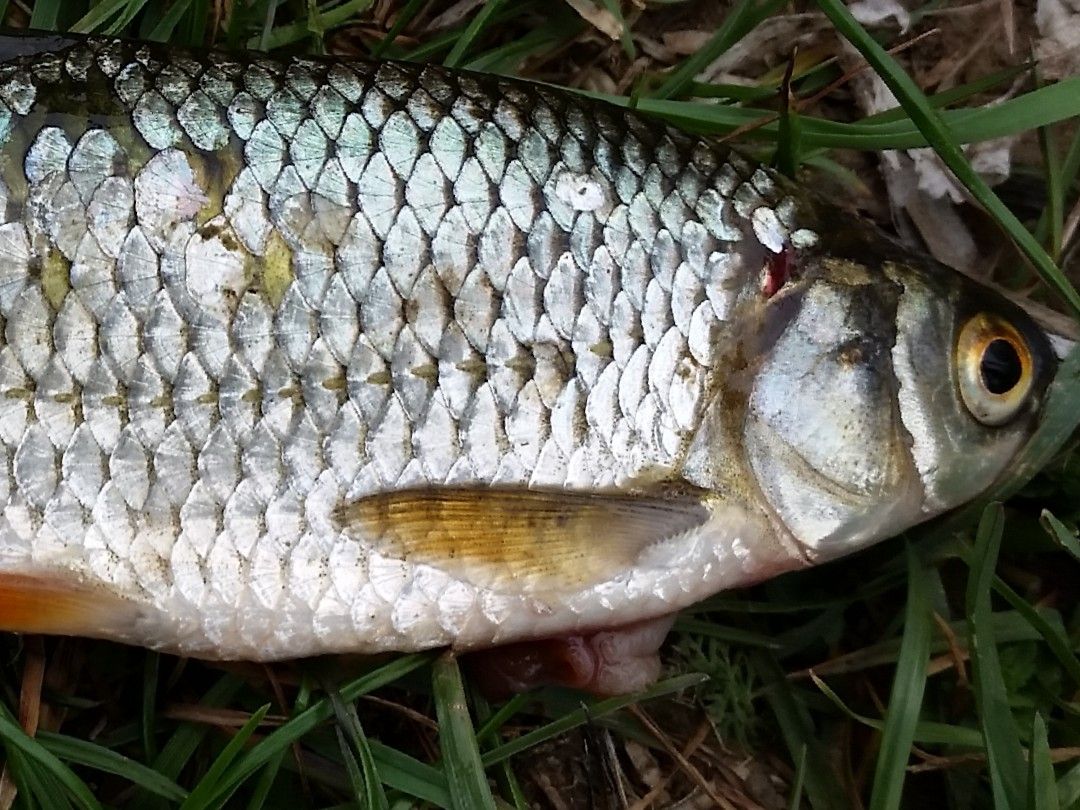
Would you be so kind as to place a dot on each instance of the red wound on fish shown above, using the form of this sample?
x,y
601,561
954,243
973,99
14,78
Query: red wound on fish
x,y
778,270
617,661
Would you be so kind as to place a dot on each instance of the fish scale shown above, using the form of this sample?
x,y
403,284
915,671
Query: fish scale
x,y
239,294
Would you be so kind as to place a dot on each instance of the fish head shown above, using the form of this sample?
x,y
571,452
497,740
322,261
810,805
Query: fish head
x,y
886,394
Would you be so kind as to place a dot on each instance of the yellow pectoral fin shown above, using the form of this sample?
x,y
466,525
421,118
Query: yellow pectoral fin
x,y
528,538
48,604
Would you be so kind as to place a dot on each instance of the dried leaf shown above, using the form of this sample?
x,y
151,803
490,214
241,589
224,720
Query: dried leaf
x,y
876,12
1058,49
599,18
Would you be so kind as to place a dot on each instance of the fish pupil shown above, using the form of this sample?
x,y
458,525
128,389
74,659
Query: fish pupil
x,y
1000,367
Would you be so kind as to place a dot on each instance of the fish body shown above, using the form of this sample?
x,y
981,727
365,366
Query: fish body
x,y
304,356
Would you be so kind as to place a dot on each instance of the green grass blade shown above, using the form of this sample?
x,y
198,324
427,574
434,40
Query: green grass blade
x,y
1054,637
1060,532
203,794
46,15
81,752
465,773
909,684
927,732
733,635
178,750
821,786
1042,789
1005,757
356,751
401,20
402,772
795,802
300,30
739,22
944,143
151,665
1068,788
97,16
13,737
283,737
471,32
265,783
626,38
585,714
1055,192
166,26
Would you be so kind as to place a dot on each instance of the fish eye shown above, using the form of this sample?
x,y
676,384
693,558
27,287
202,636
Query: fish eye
x,y
994,366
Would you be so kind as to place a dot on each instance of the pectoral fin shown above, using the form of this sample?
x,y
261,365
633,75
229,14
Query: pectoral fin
x,y
524,538
49,604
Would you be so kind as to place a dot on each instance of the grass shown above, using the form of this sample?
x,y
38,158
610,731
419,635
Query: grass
x,y
939,670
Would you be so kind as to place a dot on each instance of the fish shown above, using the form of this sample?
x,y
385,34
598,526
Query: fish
x,y
310,355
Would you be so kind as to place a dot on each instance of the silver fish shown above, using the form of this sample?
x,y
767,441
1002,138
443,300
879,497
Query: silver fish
x,y
303,356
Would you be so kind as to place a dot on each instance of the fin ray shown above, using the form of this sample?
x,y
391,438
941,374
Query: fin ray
x,y
538,538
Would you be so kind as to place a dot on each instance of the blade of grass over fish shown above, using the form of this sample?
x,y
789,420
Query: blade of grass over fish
x,y
284,736
1054,637
944,143
821,787
909,684
300,30
1060,533
1041,107
357,754
1042,789
13,737
465,774
1005,757
472,31
203,796
740,21
81,752
585,714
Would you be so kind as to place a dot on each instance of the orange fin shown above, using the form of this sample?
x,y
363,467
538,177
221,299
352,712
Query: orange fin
x,y
47,604
538,538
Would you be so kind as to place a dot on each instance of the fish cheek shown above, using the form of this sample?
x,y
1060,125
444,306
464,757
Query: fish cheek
x,y
822,432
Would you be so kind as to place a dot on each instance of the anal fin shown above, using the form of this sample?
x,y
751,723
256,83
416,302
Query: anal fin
x,y
49,604
518,537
